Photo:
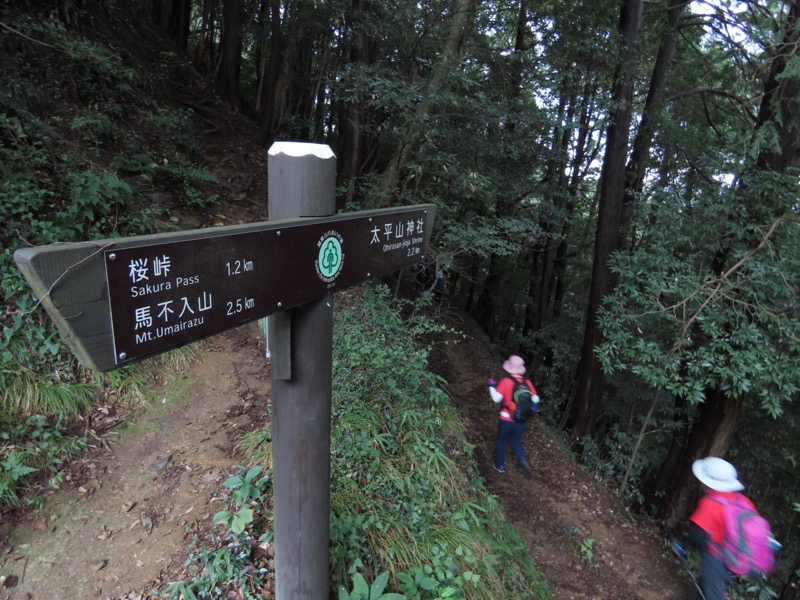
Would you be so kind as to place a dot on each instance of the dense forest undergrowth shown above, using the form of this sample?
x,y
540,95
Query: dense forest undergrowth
x,y
114,121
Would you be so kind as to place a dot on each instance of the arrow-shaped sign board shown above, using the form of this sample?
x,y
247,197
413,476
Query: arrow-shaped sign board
x,y
117,301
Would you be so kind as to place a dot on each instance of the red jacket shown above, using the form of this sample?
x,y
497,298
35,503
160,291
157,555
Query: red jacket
x,y
506,387
710,518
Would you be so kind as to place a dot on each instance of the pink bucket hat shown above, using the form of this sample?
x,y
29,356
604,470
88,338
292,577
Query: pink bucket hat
x,y
514,365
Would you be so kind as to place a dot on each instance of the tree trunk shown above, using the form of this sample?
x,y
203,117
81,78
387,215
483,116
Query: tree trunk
x,y
352,139
710,436
656,487
635,169
781,101
541,280
487,300
612,190
204,38
230,60
271,107
791,591
178,24
458,20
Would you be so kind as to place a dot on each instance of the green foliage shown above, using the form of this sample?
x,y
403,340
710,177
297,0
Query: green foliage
x,y
35,445
363,591
60,183
221,564
246,488
587,553
95,128
226,563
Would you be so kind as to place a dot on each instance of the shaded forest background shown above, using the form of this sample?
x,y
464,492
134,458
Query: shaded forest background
x,y
616,183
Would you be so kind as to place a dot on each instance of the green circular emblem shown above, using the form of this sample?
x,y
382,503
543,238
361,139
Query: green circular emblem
x,y
329,261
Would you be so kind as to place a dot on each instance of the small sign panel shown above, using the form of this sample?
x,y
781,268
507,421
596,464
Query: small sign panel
x,y
165,291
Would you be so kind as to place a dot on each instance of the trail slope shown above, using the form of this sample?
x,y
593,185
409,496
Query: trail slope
x,y
579,535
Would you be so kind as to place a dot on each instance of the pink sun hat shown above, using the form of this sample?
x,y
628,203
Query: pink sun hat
x,y
514,365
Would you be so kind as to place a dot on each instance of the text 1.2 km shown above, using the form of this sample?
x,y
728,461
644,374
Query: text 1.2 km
x,y
237,267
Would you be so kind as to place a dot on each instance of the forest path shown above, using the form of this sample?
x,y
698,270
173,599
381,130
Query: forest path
x,y
581,538
122,520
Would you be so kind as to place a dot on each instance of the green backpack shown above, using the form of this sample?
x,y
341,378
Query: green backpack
x,y
521,396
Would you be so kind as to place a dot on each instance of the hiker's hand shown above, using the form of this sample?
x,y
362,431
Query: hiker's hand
x,y
492,382
678,549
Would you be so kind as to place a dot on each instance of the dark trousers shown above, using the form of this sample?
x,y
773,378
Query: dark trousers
x,y
714,577
509,432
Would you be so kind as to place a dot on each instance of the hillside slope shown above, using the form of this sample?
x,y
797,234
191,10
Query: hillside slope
x,y
146,490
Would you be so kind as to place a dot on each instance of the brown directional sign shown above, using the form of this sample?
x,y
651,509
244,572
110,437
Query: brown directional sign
x,y
118,301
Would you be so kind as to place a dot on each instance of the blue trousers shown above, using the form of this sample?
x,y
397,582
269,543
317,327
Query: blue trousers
x,y
509,432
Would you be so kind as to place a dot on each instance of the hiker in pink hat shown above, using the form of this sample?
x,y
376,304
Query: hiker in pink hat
x,y
518,402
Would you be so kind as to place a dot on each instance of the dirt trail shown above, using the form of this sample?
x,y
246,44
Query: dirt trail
x,y
126,522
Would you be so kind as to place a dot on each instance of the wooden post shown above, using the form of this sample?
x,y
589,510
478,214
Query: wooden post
x,y
302,180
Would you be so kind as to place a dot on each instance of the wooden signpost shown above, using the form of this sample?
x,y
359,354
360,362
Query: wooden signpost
x,y
118,301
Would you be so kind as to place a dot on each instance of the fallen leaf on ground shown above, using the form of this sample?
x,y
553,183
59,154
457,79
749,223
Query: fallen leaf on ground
x,y
39,525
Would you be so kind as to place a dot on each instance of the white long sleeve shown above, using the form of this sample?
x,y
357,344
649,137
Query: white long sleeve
x,y
497,397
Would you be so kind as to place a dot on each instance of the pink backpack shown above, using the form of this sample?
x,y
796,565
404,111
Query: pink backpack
x,y
746,549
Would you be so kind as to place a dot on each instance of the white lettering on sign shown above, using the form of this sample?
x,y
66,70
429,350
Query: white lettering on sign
x,y
138,270
142,317
397,231
164,311
166,330
164,295
150,288
161,266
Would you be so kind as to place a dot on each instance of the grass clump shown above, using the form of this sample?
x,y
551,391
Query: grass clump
x,y
406,497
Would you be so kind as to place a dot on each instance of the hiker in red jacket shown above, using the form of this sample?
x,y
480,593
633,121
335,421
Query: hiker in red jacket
x,y
508,429
707,523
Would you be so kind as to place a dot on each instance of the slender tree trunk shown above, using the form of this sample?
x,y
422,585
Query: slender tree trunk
x,y
791,591
541,280
157,13
178,24
452,44
635,169
710,436
352,139
271,102
203,37
227,76
485,312
655,488
472,292
612,191
585,154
